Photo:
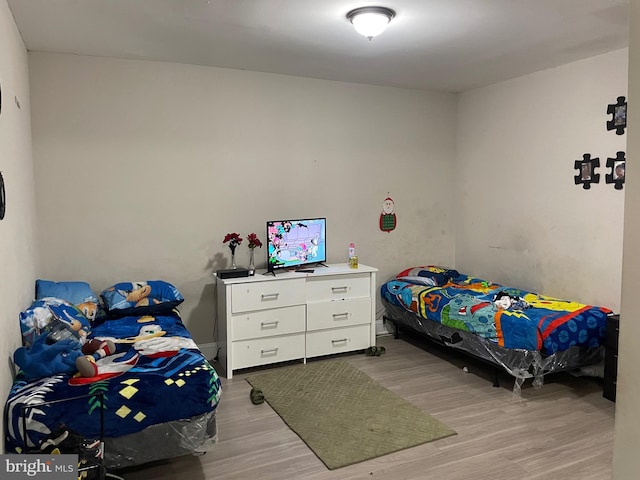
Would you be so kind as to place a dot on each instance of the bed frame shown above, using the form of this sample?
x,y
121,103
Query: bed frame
x,y
520,364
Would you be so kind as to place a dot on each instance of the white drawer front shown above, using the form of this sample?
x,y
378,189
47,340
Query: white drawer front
x,y
338,287
268,323
249,353
341,313
326,342
246,297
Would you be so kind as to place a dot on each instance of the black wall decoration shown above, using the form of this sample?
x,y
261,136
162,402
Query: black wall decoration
x,y
586,171
3,202
617,166
619,120
2,196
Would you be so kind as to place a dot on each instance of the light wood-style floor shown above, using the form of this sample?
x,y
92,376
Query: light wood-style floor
x,y
563,430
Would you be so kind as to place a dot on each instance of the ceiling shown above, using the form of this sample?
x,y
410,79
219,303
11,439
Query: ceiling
x,y
442,45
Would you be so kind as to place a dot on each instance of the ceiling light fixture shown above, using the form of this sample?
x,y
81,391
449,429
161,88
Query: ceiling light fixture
x,y
370,21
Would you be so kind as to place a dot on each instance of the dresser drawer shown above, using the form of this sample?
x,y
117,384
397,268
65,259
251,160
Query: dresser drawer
x,y
250,353
246,297
338,287
268,323
341,313
326,342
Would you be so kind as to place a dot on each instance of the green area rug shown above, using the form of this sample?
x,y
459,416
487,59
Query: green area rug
x,y
344,415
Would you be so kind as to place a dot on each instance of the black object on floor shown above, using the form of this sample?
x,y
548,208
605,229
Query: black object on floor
x,y
257,397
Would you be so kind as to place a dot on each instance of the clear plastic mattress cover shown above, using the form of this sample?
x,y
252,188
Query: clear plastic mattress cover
x,y
521,364
165,440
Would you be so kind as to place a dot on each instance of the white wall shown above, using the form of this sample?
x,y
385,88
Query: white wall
x,y
18,255
143,167
520,219
626,461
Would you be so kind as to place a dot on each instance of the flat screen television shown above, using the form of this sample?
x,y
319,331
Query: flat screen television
x,y
296,243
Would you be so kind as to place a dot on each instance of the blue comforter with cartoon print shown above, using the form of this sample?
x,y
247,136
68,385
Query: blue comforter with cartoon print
x,y
509,317
157,374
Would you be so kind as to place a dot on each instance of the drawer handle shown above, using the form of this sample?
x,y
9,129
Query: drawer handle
x,y
339,289
273,324
344,315
270,296
342,340
272,351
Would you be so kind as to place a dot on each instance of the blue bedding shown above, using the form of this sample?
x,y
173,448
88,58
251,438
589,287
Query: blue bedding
x,y
156,375
509,317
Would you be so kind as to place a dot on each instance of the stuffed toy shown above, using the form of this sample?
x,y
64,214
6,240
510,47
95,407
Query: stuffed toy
x,y
43,359
93,350
55,353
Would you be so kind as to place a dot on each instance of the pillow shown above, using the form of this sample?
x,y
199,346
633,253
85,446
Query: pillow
x,y
153,297
73,292
420,280
54,317
428,275
76,293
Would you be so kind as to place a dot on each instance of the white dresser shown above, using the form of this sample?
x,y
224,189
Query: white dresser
x,y
267,319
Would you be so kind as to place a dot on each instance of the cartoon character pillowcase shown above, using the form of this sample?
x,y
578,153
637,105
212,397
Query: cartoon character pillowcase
x,y
152,297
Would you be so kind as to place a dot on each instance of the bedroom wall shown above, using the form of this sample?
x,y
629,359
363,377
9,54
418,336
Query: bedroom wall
x,y
520,219
18,253
626,462
143,167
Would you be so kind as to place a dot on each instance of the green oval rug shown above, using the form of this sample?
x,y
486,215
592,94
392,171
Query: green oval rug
x,y
342,414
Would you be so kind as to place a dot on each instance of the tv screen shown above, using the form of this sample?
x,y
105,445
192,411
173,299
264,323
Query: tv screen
x,y
293,243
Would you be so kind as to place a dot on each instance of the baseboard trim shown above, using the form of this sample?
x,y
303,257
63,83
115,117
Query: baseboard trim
x,y
383,328
209,350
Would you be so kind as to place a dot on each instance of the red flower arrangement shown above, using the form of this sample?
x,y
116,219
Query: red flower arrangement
x,y
234,240
254,241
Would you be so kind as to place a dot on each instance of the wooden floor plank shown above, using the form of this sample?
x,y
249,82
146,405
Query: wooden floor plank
x,y
562,430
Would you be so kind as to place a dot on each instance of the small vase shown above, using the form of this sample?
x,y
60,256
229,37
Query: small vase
x,y
233,260
252,266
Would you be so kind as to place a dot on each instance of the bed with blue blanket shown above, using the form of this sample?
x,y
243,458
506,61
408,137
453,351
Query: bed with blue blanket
x,y
527,334
153,397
